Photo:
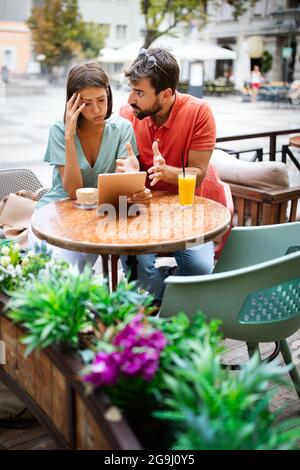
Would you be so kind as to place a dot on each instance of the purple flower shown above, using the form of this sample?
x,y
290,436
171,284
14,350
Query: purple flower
x,y
138,349
131,363
126,338
156,340
104,369
141,348
150,369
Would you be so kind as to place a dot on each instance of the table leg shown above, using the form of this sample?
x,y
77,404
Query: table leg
x,y
132,264
105,269
114,271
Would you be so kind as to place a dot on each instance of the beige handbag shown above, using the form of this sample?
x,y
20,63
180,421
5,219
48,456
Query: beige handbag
x,y
15,214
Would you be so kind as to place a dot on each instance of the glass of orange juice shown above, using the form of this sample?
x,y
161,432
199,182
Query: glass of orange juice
x,y
186,187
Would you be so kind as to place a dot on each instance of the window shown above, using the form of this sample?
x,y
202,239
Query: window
x,y
105,28
226,12
121,31
259,8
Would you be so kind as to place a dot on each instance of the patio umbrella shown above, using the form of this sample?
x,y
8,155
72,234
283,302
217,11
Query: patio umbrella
x,y
184,49
107,55
127,53
194,49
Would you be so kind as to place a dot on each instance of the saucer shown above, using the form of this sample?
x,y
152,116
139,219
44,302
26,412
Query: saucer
x,y
84,206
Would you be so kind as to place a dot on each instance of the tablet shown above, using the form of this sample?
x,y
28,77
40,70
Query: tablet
x,y
113,185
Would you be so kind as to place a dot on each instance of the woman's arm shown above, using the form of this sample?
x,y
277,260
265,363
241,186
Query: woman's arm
x,y
70,173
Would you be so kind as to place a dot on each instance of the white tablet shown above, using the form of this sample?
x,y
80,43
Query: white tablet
x,y
113,185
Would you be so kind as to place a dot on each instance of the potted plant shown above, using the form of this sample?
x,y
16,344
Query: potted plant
x,y
163,375
178,386
17,266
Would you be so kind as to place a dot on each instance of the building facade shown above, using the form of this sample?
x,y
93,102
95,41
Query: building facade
x,y
121,19
15,10
15,39
15,46
271,28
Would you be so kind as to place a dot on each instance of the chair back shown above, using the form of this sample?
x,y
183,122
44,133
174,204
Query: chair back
x,y
213,188
16,179
247,246
260,303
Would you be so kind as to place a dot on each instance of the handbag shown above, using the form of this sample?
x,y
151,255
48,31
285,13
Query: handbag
x,y
15,214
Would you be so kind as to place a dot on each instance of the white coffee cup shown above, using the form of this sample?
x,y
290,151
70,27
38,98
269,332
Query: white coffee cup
x,y
87,195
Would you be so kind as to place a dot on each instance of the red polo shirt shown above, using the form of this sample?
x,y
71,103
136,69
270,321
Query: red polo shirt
x,y
190,126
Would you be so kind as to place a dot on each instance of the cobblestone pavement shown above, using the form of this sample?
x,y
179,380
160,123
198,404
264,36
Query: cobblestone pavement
x,y
25,120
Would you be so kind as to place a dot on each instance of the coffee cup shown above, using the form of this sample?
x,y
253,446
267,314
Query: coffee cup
x,y
87,196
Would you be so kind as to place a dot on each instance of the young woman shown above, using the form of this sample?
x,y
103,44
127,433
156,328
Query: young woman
x,y
87,142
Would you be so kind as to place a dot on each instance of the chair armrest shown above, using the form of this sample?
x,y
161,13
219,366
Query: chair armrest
x,y
265,206
264,195
287,193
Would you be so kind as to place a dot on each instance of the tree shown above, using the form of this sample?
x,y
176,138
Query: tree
x,y
92,39
161,16
266,62
59,33
240,6
55,28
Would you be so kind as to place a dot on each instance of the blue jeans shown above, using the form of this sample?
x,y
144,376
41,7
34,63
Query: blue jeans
x,y
191,262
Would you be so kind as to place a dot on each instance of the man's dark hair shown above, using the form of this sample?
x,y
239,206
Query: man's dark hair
x,y
163,74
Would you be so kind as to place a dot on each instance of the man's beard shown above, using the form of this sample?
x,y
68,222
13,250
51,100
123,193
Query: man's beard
x,y
156,108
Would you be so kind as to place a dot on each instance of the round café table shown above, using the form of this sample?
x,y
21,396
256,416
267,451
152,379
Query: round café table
x,y
161,227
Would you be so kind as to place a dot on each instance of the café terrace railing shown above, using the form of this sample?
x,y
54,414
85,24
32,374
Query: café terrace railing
x,y
259,151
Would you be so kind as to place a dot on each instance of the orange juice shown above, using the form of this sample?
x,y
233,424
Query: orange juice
x,y
186,188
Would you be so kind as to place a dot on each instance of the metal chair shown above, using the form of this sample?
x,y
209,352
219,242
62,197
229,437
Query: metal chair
x,y
247,246
294,141
16,179
257,298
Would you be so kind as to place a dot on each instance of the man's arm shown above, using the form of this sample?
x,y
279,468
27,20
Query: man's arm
x,y
199,159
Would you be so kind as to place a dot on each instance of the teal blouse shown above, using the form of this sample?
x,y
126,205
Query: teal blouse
x,y
117,132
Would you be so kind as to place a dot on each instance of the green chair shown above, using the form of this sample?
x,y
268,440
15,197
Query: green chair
x,y
258,299
251,245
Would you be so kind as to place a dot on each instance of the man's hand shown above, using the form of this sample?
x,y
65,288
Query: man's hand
x,y
127,164
158,170
143,197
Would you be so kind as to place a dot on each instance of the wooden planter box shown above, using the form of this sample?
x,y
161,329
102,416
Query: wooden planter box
x,y
46,382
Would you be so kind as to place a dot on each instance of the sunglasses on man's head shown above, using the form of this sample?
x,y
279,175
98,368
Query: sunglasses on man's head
x,y
150,60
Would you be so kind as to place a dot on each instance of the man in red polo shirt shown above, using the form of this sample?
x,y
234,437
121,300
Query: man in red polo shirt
x,y
167,124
